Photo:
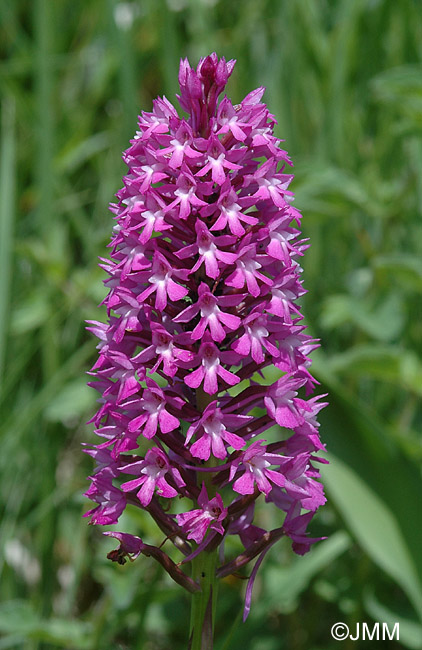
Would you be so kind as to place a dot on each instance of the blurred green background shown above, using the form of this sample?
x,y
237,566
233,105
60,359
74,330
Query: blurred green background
x,y
344,79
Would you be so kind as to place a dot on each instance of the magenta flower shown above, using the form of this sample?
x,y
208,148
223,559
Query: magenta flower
x,y
162,284
130,546
212,317
211,513
203,284
185,192
281,402
153,412
152,471
217,161
256,463
164,351
152,219
111,502
295,526
247,273
213,426
210,369
179,148
229,212
206,246
243,526
256,340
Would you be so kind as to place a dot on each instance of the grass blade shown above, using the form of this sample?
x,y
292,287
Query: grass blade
x,y
7,212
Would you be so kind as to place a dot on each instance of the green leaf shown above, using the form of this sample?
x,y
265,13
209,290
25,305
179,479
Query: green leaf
x,y
330,191
7,216
383,322
32,313
17,617
373,524
387,363
401,86
410,631
78,152
11,641
404,268
71,402
71,634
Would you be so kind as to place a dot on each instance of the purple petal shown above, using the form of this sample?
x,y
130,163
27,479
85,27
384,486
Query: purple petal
x,y
244,484
167,421
201,448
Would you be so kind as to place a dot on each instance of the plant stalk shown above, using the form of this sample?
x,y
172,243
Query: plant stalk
x,y
204,602
204,565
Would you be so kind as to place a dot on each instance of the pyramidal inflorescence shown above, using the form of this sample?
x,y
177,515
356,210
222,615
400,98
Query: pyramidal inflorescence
x,y
203,284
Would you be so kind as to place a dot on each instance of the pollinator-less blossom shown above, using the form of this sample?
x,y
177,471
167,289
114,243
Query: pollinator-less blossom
x,y
203,288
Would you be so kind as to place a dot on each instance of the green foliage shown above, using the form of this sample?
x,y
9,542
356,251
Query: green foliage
x,y
373,524
344,81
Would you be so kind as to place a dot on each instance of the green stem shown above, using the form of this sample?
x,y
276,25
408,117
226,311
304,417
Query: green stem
x,y
203,607
204,602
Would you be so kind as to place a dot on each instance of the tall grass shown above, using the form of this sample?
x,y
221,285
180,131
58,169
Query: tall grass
x,y
344,81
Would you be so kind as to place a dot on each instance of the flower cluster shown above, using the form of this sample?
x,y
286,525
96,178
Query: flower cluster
x,y
203,281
